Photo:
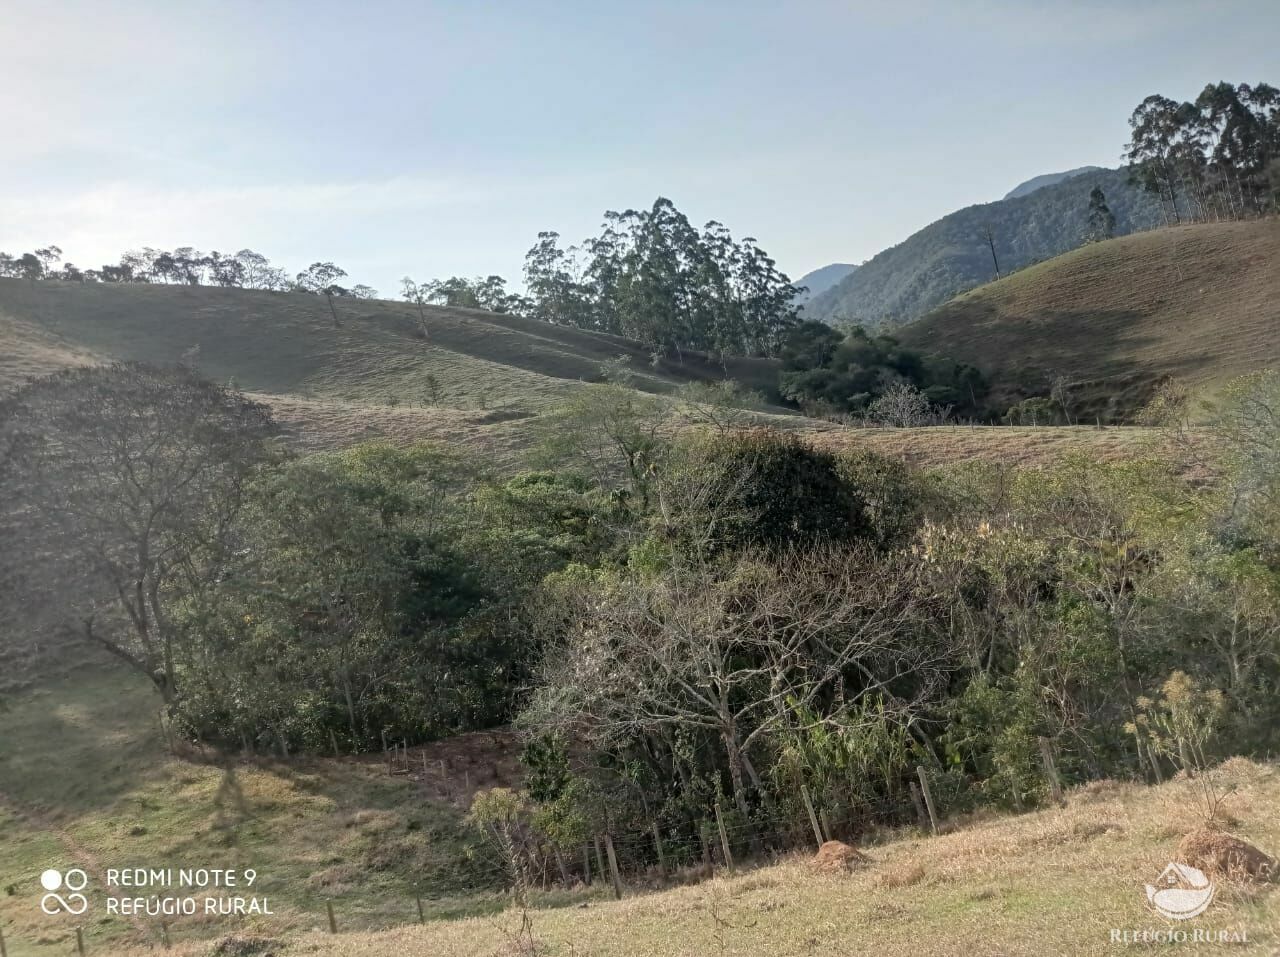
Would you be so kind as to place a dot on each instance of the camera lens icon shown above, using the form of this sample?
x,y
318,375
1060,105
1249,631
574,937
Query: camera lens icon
x,y
74,881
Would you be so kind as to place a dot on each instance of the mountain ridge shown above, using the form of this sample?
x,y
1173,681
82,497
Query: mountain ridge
x,y
1028,187
952,255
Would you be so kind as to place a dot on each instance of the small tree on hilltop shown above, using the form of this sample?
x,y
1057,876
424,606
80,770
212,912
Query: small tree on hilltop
x,y
1101,221
321,279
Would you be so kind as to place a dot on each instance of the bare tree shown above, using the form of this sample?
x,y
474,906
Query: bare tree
x,y
741,652
418,294
903,406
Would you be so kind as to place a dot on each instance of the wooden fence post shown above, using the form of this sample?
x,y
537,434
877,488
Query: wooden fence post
x,y
921,817
703,828
813,817
826,824
333,739
586,864
417,896
164,934
80,942
928,797
599,856
333,920
724,839
657,843
1051,771
613,866
4,951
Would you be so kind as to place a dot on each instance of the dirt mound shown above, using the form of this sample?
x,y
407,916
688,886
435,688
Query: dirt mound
x,y
1222,855
836,857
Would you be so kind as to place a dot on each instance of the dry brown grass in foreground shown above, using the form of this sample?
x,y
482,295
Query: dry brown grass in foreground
x,y
1057,881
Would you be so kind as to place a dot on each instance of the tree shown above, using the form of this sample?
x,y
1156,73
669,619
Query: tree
x,y
259,273
651,275
417,294
903,406
612,431
737,656
30,266
1101,221
320,278
48,256
1150,151
122,492
227,271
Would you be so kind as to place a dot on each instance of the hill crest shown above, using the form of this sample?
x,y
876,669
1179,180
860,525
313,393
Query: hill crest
x,y
952,254
1198,304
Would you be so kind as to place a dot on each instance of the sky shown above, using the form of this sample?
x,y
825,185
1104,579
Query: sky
x,y
437,138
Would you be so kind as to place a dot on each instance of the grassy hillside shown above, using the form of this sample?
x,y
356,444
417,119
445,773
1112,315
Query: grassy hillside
x,y
1053,882
371,377
86,781
951,255
286,344
1197,303
108,795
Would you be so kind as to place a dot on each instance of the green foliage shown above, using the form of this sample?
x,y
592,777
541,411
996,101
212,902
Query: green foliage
x,y
851,374
356,611
894,499
1181,723
612,433
1208,159
651,276
992,730
1102,222
766,490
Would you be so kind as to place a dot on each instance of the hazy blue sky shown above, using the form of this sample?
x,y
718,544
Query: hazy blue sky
x,y
434,138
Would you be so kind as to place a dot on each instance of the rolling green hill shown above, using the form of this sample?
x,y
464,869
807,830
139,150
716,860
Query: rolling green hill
x,y
1198,304
951,255
286,344
474,378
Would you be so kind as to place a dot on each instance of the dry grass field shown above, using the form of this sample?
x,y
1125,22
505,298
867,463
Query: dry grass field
x,y
1052,882
1200,304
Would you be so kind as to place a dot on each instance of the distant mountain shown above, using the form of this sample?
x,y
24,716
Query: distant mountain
x,y
952,255
822,279
1047,179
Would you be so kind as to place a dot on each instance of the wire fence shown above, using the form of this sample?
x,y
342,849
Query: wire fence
x,y
641,856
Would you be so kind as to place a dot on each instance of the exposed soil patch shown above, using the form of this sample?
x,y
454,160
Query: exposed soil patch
x,y
1222,855
837,857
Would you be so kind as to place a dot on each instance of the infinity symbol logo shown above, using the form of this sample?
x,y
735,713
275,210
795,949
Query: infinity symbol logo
x,y
74,903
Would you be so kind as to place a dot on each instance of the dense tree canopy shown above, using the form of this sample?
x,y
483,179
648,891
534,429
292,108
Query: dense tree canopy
x,y
650,275
1215,158
829,370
